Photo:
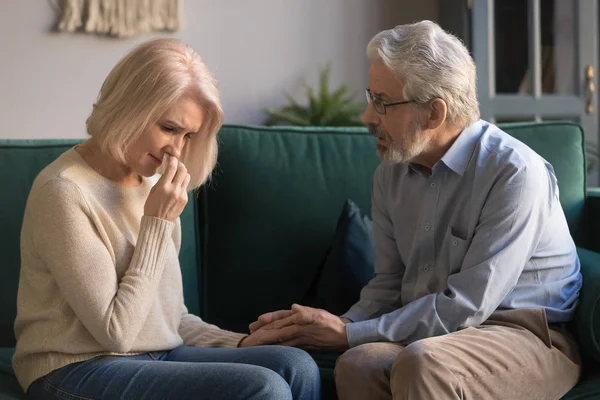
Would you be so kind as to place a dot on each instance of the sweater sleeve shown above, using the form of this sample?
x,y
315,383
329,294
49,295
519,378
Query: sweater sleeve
x,y
79,257
196,332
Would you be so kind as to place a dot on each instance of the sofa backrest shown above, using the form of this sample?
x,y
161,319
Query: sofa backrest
x,y
270,213
20,163
263,225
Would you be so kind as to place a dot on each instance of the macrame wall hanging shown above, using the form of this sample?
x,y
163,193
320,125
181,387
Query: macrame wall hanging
x,y
120,18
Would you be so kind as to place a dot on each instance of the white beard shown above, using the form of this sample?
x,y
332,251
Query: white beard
x,y
396,154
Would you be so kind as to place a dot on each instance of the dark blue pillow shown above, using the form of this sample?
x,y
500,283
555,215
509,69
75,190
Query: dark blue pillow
x,y
349,263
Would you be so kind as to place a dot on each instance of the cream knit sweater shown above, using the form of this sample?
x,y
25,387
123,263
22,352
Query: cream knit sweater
x,y
97,276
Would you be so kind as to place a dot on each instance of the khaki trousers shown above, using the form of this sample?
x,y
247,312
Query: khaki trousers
x,y
513,355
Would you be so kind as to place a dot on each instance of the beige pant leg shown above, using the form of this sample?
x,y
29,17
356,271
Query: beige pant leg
x,y
513,356
363,372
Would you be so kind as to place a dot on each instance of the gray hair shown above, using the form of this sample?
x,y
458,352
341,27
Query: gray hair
x,y
433,64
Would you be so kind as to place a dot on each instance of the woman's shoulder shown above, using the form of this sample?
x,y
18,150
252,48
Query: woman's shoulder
x,y
62,176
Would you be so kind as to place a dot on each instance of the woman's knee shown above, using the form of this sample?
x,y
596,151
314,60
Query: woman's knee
x,y
296,361
267,384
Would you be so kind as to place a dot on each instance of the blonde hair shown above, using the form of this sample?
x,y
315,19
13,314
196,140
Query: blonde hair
x,y
433,63
142,87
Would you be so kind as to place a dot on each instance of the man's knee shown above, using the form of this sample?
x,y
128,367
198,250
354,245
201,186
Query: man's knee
x,y
364,361
417,361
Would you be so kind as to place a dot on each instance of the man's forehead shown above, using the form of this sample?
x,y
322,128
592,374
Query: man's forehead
x,y
383,81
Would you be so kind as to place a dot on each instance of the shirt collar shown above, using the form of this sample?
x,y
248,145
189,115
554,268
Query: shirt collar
x,y
458,155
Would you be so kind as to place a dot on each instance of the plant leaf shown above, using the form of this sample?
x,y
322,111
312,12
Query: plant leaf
x,y
285,116
324,108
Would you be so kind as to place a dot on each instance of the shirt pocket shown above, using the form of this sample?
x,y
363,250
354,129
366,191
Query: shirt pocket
x,y
457,249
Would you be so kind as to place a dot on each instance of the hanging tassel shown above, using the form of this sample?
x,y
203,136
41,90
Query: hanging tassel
x,y
71,15
94,19
120,18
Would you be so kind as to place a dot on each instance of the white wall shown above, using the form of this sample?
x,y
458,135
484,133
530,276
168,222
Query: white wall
x,y
257,49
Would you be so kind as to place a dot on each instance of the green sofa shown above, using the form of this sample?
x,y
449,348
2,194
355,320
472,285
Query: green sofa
x,y
254,238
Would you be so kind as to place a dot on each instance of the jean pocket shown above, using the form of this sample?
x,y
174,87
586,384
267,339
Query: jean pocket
x,y
43,389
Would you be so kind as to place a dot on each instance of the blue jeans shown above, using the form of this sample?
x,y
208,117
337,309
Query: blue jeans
x,y
266,372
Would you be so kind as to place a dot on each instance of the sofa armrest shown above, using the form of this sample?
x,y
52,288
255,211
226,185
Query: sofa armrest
x,y
593,219
587,319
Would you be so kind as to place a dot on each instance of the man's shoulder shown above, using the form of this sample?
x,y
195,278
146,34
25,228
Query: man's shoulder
x,y
503,160
502,151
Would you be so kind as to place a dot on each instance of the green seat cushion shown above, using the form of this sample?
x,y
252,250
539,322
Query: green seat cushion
x,y
20,163
588,388
10,388
326,362
6,354
587,320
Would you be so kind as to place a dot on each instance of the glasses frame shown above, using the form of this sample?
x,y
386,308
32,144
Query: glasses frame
x,y
377,102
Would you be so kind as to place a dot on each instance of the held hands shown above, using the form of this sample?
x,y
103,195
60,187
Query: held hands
x,y
301,326
169,196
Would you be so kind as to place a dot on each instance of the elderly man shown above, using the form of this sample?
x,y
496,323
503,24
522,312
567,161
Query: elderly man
x,y
475,273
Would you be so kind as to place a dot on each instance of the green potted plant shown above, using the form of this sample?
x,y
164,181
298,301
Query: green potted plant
x,y
325,108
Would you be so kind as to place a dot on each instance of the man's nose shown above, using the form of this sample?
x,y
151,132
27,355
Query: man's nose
x,y
370,116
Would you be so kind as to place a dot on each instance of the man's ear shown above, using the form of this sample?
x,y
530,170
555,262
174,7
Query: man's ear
x,y
437,113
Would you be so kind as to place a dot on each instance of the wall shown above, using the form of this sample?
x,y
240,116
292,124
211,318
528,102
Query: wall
x,y
257,49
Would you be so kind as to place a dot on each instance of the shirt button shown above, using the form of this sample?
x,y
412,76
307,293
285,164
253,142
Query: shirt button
x,y
426,269
455,242
427,227
432,184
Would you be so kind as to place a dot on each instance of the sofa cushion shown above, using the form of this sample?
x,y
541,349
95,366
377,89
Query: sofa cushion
x,y
20,163
587,320
349,264
588,388
10,388
6,354
271,211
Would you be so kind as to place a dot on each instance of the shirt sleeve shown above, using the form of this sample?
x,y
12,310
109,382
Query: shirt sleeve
x,y
383,293
69,239
505,237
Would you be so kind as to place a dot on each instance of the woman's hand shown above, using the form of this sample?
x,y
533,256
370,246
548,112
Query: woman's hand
x,y
169,196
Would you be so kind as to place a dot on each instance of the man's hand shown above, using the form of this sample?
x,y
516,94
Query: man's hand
x,y
262,337
267,318
305,327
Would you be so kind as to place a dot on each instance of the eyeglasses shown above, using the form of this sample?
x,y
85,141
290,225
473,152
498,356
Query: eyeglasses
x,y
379,105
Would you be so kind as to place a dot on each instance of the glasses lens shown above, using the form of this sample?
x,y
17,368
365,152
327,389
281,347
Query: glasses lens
x,y
379,107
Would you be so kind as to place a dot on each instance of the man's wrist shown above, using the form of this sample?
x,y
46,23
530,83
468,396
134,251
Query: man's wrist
x,y
346,320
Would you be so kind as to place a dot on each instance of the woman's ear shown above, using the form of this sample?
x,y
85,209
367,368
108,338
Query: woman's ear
x,y
437,114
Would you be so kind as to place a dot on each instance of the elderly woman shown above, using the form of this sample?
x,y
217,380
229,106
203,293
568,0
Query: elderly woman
x,y
100,303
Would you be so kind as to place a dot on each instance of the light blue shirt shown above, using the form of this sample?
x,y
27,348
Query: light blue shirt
x,y
483,230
